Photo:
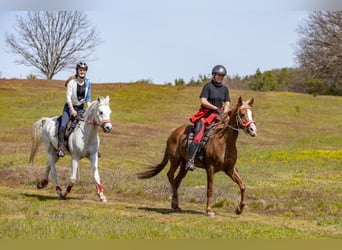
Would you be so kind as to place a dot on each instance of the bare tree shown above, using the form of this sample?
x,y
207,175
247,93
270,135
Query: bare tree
x,y
53,40
319,50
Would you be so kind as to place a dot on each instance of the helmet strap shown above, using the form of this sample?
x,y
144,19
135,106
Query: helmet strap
x,y
214,80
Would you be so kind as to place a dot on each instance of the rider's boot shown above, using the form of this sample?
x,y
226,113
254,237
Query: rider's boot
x,y
60,152
190,165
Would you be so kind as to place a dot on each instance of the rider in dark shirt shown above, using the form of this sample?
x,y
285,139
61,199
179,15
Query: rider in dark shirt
x,y
214,101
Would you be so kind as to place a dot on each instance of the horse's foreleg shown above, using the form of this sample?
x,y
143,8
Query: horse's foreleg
x,y
210,184
236,178
73,178
94,164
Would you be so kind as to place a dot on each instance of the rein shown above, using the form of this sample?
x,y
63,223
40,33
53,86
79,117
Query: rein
x,y
95,123
235,129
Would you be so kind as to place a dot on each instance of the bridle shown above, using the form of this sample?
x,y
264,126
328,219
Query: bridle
x,y
94,123
97,124
240,124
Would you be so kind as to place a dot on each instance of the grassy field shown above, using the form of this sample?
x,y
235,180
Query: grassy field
x,y
292,169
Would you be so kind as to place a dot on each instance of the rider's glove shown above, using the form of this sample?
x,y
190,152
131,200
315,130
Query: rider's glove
x,y
219,112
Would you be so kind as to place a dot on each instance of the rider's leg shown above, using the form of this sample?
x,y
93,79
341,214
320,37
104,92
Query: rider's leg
x,y
60,152
199,131
61,130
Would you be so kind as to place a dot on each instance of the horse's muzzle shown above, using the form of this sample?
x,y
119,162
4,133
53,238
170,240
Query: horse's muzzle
x,y
107,127
251,130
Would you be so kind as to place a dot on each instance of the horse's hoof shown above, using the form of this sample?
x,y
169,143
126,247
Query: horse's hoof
x,y
64,193
61,197
211,214
177,210
238,211
42,184
102,198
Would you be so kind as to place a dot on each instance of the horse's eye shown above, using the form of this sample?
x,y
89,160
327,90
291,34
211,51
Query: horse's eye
x,y
101,113
242,115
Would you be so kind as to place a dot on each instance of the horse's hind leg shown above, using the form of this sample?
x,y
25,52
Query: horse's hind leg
x,y
237,179
210,184
51,160
73,178
51,167
175,182
44,182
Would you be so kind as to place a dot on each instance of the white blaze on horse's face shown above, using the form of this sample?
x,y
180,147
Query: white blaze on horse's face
x,y
103,115
251,128
245,119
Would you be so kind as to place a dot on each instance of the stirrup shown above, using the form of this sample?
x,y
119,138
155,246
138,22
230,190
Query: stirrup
x,y
190,165
60,152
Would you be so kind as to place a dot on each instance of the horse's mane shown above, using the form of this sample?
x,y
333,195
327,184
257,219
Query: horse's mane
x,y
99,101
222,123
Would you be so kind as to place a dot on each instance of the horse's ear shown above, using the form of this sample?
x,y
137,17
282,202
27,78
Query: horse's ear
x,y
239,103
107,98
100,99
250,103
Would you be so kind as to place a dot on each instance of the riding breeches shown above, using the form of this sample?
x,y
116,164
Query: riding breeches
x,y
67,114
201,125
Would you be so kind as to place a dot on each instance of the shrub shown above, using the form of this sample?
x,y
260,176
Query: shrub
x,y
31,76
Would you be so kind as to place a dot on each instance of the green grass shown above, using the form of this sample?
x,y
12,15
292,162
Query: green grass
x,y
40,216
292,169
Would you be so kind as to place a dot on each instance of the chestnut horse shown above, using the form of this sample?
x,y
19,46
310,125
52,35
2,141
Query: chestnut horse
x,y
220,153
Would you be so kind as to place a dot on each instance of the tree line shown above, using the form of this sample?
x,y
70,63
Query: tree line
x,y
318,55
285,79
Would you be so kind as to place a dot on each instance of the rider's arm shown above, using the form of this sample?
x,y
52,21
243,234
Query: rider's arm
x,y
68,99
72,110
207,104
226,107
88,96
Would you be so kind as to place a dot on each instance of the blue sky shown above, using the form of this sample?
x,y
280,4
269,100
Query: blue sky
x,y
165,40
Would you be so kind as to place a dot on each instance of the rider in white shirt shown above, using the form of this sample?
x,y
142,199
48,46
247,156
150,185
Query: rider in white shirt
x,y
78,92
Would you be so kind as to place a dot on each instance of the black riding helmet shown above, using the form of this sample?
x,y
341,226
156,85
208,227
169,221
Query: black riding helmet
x,y
219,69
81,65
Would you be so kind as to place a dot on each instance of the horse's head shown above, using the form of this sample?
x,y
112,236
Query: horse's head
x,y
103,112
244,117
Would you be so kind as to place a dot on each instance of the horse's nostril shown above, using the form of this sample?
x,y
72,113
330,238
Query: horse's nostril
x,y
107,128
251,131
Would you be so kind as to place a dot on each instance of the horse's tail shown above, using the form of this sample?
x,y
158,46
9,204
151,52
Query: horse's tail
x,y
36,137
154,170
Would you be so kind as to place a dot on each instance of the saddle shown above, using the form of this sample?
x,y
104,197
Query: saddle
x,y
205,138
71,125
